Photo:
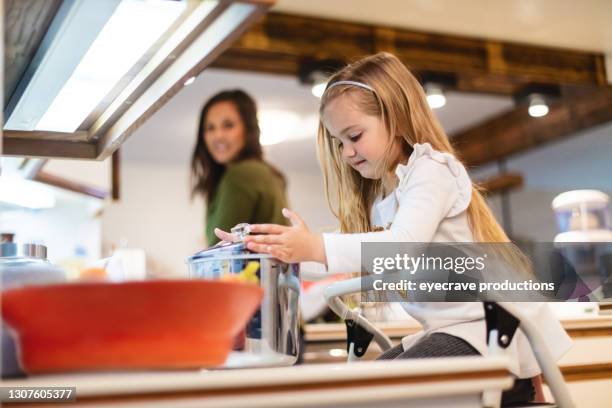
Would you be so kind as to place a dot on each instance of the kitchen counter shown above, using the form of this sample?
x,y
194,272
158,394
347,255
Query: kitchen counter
x,y
590,355
587,367
578,326
456,382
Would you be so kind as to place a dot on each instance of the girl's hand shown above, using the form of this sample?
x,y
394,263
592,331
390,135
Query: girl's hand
x,y
289,244
225,236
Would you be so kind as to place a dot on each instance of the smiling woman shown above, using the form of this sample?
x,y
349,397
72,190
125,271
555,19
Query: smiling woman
x,y
228,169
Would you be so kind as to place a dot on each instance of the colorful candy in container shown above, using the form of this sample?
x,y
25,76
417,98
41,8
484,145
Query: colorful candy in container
x,y
271,336
247,275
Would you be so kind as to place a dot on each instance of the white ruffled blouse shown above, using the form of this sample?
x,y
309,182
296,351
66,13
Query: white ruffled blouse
x,y
429,205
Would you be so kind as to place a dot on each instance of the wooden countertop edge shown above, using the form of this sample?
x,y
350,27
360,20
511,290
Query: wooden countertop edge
x,y
570,373
486,374
584,372
576,327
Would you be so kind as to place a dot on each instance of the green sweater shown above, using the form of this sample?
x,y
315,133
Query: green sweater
x,y
248,192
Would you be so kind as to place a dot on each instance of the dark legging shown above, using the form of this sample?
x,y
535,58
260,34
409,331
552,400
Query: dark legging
x,y
445,345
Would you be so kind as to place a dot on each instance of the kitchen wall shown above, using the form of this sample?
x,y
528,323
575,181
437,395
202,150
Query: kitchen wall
x,y
155,214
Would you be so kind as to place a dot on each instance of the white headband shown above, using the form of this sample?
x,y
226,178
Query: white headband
x,y
353,83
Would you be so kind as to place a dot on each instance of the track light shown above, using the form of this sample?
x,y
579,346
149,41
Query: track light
x,y
435,84
315,73
435,95
537,98
318,89
537,106
320,82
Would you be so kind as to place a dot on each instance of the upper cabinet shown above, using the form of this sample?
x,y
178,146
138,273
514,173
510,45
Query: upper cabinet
x,y
82,75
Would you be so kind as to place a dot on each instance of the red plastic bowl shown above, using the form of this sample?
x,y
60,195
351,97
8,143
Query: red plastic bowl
x,y
124,326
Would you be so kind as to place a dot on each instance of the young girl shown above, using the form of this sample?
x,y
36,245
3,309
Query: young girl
x,y
394,177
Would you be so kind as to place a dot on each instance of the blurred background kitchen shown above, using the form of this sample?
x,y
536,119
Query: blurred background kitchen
x,y
522,87
482,63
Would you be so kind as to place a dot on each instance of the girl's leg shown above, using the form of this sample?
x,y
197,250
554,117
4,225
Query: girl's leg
x,y
434,345
440,345
445,345
392,353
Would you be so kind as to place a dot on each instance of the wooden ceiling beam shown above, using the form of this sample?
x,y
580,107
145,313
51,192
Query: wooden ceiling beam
x,y
515,131
279,42
501,183
45,148
66,184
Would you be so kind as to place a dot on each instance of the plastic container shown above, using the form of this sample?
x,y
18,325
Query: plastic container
x,y
582,210
584,242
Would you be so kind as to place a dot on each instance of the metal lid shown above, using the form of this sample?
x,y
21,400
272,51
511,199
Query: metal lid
x,y
12,249
229,250
221,250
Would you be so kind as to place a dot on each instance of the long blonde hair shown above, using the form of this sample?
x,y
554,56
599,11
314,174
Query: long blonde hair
x,y
398,99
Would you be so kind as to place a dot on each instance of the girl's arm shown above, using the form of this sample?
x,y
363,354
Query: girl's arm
x,y
289,244
425,199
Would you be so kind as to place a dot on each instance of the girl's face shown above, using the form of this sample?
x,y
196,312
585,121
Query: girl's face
x,y
224,132
362,138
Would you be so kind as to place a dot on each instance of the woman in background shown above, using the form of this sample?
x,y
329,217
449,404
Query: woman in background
x,y
228,169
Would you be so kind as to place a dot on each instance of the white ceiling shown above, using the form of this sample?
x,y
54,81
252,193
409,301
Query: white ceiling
x,y
578,24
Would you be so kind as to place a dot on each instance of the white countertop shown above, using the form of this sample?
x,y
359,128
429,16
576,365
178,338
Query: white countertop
x,y
458,381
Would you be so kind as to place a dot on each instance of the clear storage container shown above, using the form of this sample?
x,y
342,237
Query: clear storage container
x,y
582,210
272,334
